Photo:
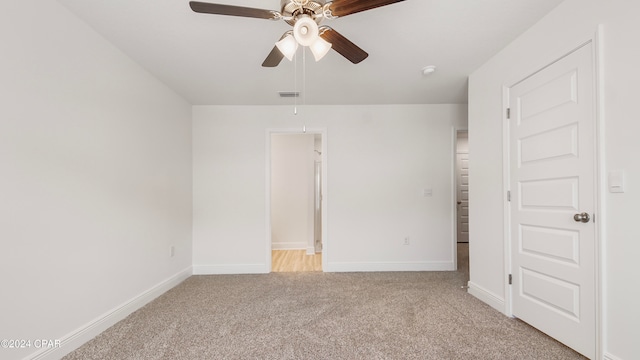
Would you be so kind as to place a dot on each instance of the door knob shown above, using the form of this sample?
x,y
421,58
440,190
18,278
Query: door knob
x,y
584,217
459,202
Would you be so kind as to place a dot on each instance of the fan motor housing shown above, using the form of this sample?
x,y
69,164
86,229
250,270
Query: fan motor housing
x,y
292,8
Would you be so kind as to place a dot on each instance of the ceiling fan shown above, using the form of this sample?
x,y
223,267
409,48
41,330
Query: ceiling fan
x,y
305,16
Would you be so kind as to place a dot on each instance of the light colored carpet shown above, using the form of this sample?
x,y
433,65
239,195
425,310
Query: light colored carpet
x,y
403,315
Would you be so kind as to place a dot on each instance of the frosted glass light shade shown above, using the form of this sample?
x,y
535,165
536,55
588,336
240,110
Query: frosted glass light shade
x,y
320,48
305,31
288,46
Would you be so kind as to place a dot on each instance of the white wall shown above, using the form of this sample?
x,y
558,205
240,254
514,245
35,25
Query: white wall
x,y
378,158
292,185
562,30
95,180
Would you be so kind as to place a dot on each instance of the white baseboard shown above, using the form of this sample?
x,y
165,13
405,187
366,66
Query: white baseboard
x,y
608,356
288,245
487,297
390,266
78,337
230,269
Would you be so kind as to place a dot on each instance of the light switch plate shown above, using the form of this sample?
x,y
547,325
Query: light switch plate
x,y
616,181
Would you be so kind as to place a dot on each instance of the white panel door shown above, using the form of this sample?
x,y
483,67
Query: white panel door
x,y
552,182
462,162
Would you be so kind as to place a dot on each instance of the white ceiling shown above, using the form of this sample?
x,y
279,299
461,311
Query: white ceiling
x,y
216,60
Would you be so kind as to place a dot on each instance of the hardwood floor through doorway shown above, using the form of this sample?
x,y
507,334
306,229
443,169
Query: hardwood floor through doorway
x,y
295,261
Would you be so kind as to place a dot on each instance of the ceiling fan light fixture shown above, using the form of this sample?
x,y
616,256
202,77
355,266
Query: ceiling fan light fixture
x,y
305,30
320,48
288,46
304,16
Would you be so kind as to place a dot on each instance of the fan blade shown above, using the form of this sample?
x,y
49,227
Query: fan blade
x,y
347,7
220,9
342,45
274,58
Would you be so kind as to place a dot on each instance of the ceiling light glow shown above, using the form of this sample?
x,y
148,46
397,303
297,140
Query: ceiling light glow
x,y
305,31
288,46
320,48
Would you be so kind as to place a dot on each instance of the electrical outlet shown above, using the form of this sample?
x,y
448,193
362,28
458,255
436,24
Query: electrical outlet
x,y
172,251
406,240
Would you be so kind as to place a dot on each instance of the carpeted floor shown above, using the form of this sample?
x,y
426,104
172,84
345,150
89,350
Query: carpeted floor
x,y
403,315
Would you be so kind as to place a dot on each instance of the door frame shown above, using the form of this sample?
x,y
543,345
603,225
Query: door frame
x,y
295,131
599,180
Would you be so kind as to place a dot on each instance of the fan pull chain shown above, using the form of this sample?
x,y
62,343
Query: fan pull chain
x,y
295,83
304,75
304,84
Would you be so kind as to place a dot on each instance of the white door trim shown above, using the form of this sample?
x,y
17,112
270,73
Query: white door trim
x,y
296,131
599,178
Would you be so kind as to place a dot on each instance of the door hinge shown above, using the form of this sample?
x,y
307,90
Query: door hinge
x,y
509,195
508,113
510,279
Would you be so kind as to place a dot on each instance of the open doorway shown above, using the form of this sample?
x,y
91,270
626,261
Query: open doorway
x,y
462,200
462,186
296,182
